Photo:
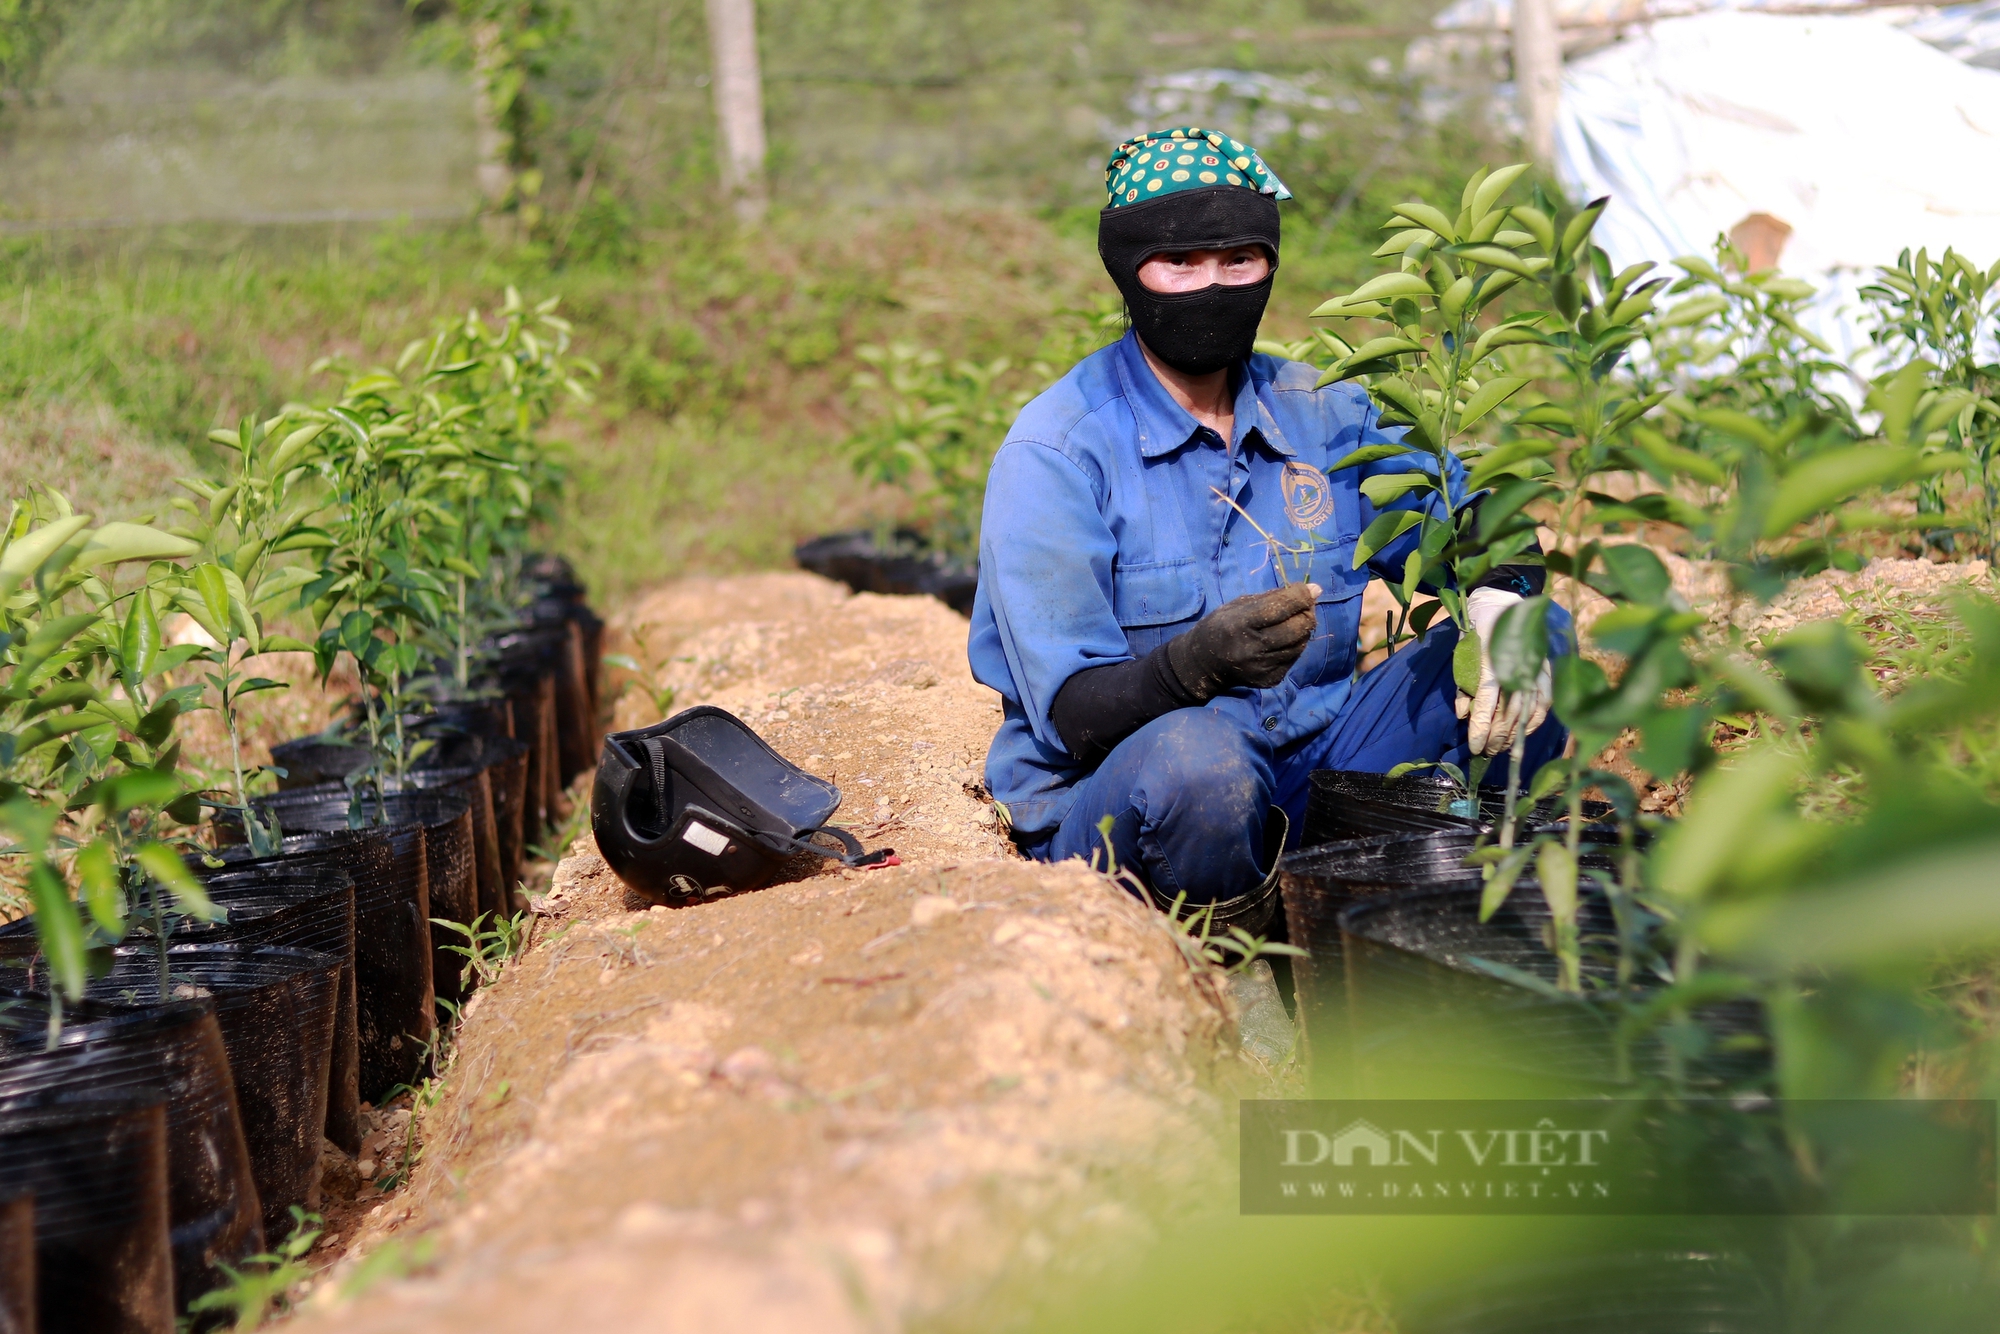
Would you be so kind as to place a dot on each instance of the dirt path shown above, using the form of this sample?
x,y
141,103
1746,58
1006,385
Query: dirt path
x,y
845,1103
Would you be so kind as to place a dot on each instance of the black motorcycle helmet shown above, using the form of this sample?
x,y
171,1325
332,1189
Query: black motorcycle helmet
x,y
700,805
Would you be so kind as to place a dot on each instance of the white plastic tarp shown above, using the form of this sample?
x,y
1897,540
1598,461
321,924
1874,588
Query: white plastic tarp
x,y
1859,137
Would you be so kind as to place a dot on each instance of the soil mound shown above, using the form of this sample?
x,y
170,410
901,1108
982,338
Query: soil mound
x,y
842,1103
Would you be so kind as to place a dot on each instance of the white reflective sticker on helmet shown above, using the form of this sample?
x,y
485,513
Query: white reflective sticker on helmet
x,y
708,840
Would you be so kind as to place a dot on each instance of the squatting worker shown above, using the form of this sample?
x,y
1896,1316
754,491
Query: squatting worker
x,y
1161,662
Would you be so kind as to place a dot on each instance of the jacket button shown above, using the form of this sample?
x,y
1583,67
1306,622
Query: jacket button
x,y
1271,723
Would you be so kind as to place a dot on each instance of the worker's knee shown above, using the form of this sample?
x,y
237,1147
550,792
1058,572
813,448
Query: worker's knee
x,y
1199,771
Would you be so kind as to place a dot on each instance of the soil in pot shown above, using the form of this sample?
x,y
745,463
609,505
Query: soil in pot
x,y
396,1013
93,1172
1318,884
276,1008
305,907
906,564
212,1208
1344,804
452,878
1423,997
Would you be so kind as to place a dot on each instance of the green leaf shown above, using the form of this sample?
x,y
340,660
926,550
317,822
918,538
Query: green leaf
x,y
1693,311
1370,454
1557,871
1465,663
1728,812
1400,242
1580,226
1825,480
1385,529
214,590
1376,349
115,543
1912,909
134,789
1424,215
1537,223
285,644
50,637
294,444
1495,462
158,724
1521,644
1505,335
162,863
1499,257
97,871
1673,458
58,930
1549,780
1388,286
1547,415
1488,397
1494,186
1384,488
1500,881
1638,574
28,553
139,642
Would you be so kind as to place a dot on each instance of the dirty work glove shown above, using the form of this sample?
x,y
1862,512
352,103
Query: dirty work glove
x,y
1252,641
1492,728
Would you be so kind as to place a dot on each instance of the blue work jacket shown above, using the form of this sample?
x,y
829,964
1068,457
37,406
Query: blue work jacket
x,y
1106,533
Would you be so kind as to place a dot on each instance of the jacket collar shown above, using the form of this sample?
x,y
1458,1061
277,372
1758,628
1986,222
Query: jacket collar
x,y
1165,426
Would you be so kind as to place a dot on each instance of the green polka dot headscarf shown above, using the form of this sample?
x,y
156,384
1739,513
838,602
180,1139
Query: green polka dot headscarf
x,y
1160,162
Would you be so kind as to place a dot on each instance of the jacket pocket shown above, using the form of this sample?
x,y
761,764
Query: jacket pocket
x,y
1155,593
1337,635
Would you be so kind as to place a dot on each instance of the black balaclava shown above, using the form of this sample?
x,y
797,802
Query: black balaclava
x,y
1194,332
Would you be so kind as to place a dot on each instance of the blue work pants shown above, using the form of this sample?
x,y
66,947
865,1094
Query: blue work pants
x,y
1189,793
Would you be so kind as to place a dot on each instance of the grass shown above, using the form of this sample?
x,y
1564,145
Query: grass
x,y
714,440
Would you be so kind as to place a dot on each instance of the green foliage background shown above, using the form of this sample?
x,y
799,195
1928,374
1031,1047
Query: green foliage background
x,y
934,167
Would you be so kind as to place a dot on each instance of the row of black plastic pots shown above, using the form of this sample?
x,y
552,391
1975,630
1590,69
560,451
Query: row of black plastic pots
x,y
171,1121
1404,990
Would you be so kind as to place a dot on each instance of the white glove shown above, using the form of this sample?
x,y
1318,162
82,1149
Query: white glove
x,y
1492,728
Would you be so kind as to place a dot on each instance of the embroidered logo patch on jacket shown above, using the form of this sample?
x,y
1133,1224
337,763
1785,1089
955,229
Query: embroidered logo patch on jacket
x,y
1308,497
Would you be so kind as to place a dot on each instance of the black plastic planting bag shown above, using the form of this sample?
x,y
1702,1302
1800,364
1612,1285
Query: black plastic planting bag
x,y
1318,884
17,1259
1431,987
396,1010
473,782
309,907
700,804
276,1009
1703,1289
212,1206
1344,804
95,1168
451,880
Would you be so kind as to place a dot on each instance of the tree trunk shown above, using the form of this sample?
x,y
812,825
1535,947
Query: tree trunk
x,y
739,102
494,173
1537,75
